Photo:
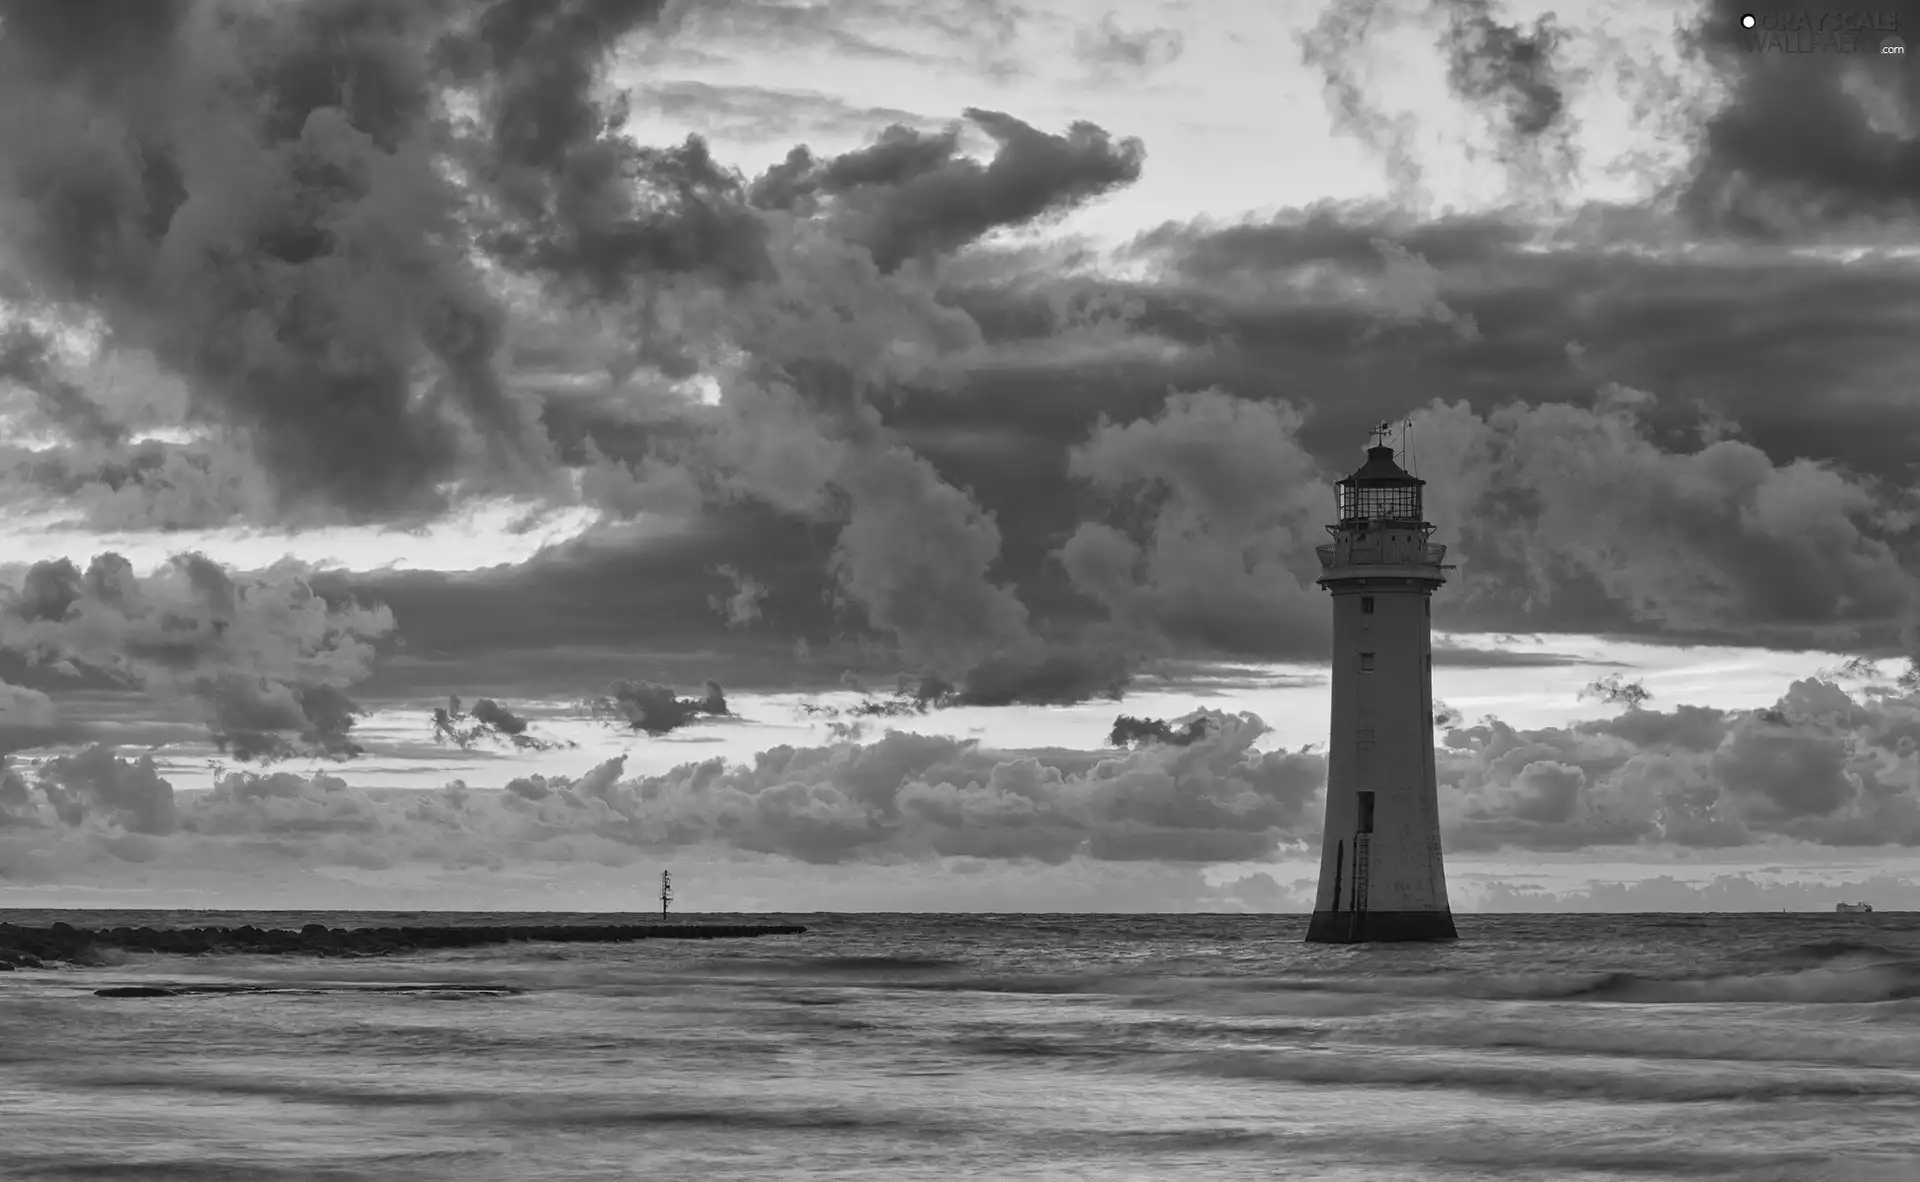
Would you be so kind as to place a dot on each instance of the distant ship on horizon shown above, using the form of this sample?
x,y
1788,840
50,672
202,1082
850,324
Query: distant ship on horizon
x,y
1853,908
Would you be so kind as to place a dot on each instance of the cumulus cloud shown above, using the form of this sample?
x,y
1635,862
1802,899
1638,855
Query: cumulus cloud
x,y
904,796
1820,767
1129,731
1716,538
743,606
911,193
644,706
1224,504
26,359
263,660
27,718
488,721
247,195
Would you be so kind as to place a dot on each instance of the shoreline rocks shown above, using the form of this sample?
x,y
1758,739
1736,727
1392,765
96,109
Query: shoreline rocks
x,y
35,947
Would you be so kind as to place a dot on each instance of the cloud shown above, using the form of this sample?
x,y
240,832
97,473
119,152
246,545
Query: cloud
x,y
262,659
1819,768
247,195
905,796
911,194
1723,537
842,381
644,706
743,606
27,718
143,484
1129,731
759,112
130,792
1797,152
1109,47
26,360
1225,503
487,721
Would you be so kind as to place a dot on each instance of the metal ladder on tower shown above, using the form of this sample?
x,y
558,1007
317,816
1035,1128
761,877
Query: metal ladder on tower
x,y
1362,863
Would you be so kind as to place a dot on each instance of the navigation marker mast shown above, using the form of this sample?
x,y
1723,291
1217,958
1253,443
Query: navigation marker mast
x,y
666,890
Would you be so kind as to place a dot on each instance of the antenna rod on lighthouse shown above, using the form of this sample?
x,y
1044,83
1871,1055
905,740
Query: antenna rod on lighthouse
x,y
666,890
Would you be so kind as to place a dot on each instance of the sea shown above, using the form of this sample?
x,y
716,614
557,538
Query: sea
x,y
901,1047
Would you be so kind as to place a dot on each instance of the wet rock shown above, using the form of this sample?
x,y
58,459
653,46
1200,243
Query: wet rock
x,y
61,942
135,991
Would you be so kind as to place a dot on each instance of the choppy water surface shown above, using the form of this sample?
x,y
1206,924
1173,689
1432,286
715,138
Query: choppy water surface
x,y
1020,1047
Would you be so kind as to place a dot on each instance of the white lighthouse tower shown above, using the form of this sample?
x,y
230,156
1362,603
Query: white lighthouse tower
x,y
1381,876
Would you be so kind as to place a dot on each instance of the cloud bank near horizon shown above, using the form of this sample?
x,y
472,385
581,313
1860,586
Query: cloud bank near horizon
x,y
1822,768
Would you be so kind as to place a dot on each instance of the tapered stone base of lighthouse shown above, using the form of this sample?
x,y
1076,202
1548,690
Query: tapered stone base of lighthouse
x,y
1381,874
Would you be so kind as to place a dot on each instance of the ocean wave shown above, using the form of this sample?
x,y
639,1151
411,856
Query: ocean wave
x,y
1849,978
1539,1076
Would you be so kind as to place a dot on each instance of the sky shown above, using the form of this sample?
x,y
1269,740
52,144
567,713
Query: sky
x,y
486,454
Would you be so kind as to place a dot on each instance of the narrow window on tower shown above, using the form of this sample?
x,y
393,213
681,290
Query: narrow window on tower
x,y
1366,738
1366,605
1428,605
1366,662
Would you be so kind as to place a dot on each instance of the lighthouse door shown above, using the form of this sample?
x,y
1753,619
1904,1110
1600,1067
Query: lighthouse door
x,y
1362,853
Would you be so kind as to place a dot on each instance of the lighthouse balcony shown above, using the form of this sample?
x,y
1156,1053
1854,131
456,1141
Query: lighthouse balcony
x,y
1384,553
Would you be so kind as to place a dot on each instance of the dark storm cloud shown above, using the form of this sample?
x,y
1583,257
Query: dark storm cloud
x,y
1800,145
261,658
1226,503
988,467
588,612
130,792
1808,144
1129,731
245,193
1513,69
645,706
1736,412
743,606
28,718
488,721
263,200
580,201
1635,368
1463,657
138,485
912,193
25,360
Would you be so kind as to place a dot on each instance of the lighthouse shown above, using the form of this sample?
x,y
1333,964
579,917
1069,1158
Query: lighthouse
x,y
1381,876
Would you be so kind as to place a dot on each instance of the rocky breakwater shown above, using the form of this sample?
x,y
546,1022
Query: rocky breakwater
x,y
33,947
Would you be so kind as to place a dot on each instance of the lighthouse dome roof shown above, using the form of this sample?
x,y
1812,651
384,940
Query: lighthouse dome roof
x,y
1381,470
